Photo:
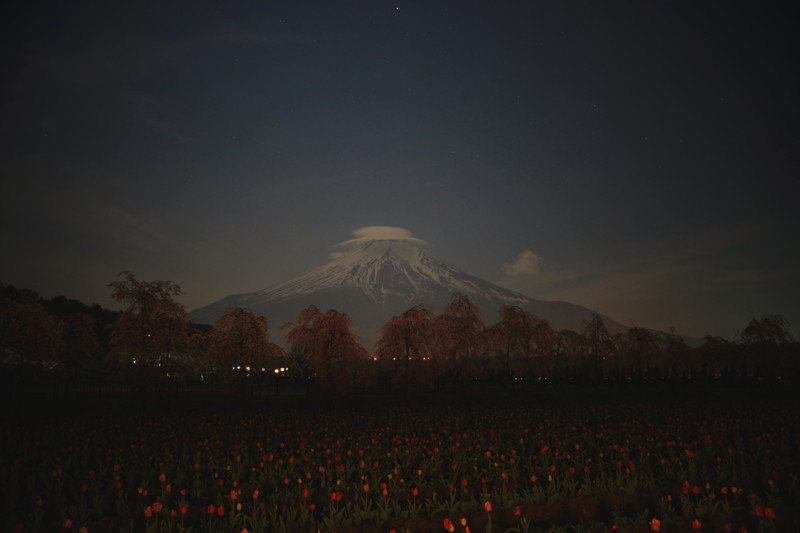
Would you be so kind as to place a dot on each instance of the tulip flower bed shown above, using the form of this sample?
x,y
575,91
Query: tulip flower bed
x,y
709,466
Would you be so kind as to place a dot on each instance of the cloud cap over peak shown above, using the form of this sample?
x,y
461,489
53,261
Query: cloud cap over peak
x,y
380,233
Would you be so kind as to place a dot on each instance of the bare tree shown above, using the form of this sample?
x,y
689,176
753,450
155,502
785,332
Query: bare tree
x,y
29,332
239,347
150,336
768,330
525,337
641,348
597,342
462,330
335,355
406,338
676,354
504,336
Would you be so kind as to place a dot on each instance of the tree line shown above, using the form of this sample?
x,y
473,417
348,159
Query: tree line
x,y
152,345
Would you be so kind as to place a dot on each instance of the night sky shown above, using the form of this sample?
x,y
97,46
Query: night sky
x,y
636,158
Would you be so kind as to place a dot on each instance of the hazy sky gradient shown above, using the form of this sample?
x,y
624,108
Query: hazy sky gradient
x,y
636,158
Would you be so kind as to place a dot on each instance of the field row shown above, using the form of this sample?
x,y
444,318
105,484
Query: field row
x,y
713,466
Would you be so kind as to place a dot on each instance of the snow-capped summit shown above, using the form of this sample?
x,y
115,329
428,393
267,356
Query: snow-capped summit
x,y
384,269
379,275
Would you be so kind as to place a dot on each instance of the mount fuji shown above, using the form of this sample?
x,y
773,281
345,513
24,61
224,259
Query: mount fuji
x,y
373,280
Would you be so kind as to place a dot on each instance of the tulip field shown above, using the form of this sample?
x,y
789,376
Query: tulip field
x,y
695,465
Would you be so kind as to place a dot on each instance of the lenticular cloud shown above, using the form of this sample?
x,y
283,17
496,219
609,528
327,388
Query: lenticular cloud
x,y
380,233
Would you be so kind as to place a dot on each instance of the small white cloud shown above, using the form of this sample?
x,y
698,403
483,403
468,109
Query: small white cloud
x,y
527,264
380,233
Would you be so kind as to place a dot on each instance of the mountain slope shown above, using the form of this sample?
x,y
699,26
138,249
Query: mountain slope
x,y
374,280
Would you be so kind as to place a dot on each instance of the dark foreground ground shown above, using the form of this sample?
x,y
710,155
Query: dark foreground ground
x,y
558,458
